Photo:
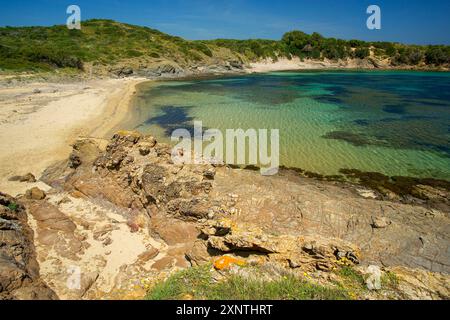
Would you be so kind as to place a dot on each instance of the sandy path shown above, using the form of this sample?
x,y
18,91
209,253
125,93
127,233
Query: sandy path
x,y
40,121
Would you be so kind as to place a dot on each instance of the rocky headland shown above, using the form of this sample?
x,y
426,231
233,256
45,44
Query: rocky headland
x,y
124,215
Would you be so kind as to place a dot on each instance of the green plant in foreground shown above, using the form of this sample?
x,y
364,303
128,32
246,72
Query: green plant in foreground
x,y
13,206
390,280
352,275
197,283
351,281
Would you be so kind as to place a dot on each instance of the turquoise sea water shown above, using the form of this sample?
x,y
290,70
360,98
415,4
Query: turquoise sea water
x,y
396,123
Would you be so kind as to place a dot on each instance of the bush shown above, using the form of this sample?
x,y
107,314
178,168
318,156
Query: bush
x,y
334,51
202,48
415,56
362,53
437,55
154,55
315,54
59,59
411,56
390,50
13,206
296,41
355,43
133,53
6,52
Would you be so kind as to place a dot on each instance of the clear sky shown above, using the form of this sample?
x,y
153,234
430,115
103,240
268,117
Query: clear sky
x,y
407,21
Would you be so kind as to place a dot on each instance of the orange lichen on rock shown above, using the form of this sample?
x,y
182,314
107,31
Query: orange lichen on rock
x,y
225,262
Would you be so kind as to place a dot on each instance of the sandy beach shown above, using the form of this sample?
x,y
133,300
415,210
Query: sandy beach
x,y
283,64
39,122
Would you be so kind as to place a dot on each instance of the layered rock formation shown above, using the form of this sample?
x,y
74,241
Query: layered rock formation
x,y
171,69
19,270
126,216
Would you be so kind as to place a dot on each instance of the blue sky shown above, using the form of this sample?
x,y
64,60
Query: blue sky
x,y
413,21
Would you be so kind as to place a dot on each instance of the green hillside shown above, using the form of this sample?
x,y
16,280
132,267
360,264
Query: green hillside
x,y
98,42
103,43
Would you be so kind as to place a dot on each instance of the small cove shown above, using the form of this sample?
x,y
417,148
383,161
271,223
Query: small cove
x,y
392,122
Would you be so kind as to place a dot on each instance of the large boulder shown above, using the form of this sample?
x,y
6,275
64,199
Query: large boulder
x,y
124,72
35,194
85,151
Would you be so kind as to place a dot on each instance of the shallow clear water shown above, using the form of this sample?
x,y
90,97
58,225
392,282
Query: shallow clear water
x,y
396,123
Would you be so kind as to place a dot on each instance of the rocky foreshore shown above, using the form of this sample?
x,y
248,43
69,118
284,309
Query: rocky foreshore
x,y
171,70
125,216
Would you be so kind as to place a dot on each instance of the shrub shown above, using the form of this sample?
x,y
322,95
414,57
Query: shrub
x,y
362,53
437,55
412,56
390,50
13,206
133,53
415,56
202,48
59,59
154,55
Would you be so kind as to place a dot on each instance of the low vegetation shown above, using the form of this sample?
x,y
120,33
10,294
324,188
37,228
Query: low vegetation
x,y
316,46
254,49
13,206
98,42
106,42
197,283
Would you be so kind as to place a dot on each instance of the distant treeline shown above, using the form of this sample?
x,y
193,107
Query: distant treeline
x,y
106,42
315,46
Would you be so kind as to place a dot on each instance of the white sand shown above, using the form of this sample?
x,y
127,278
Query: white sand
x,y
37,129
284,64
105,262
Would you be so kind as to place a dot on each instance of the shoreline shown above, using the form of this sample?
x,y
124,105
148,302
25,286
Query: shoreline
x,y
296,64
310,202
338,175
273,209
108,109
247,71
40,122
117,109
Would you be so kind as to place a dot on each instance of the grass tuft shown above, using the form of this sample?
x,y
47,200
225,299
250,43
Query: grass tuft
x,y
197,283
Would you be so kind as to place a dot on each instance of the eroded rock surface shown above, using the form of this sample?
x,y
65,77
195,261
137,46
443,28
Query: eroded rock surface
x,y
19,270
304,252
128,216
388,233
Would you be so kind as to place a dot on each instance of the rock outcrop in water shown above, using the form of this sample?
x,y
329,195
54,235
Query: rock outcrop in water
x,y
126,216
